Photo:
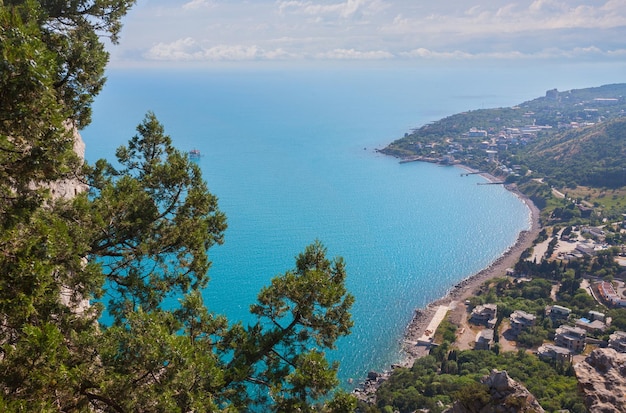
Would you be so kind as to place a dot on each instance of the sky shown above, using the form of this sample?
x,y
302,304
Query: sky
x,y
212,32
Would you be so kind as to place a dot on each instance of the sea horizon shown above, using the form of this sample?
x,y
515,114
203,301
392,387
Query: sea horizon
x,y
292,158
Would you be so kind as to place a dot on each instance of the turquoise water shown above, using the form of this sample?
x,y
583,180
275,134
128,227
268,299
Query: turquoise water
x,y
291,156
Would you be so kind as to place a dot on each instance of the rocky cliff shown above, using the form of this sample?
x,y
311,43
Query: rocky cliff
x,y
507,396
602,379
69,188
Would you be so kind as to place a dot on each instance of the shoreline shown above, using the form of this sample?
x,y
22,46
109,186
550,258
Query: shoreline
x,y
466,287
422,317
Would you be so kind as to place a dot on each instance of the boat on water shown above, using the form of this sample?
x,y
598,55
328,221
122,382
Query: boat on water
x,y
194,154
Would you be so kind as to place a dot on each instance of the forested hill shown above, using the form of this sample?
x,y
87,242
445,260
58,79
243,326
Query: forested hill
x,y
591,156
570,138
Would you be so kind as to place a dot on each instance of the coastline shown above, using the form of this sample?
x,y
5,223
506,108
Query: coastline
x,y
424,318
465,288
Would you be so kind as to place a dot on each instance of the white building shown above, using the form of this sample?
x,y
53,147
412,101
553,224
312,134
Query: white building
x,y
485,314
552,352
484,339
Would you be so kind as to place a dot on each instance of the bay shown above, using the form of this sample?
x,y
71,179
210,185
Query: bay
x,y
291,156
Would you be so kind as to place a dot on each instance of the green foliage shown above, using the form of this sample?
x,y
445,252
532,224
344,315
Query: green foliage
x,y
35,145
151,221
140,235
424,384
71,32
532,337
563,157
447,330
146,227
473,396
619,318
588,156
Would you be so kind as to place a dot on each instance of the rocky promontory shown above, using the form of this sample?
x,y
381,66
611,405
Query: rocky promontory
x,y
602,379
505,396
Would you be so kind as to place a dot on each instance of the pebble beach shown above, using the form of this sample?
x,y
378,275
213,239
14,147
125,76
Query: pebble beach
x,y
423,317
466,288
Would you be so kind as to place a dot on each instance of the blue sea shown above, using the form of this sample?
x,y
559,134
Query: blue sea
x,y
291,154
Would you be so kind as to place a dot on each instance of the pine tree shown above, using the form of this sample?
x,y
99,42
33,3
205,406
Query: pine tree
x,y
138,236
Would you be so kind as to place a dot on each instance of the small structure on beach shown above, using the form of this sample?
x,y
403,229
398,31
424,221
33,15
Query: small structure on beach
x,y
429,334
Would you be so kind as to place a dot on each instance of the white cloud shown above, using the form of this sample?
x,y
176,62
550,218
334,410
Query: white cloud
x,y
199,4
430,54
344,9
189,50
515,18
181,49
214,30
352,54
549,53
617,53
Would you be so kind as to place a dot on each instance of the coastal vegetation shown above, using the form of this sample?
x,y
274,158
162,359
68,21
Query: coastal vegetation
x,y
566,139
130,237
435,381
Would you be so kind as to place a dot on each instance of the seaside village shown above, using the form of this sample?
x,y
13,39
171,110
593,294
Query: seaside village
x,y
570,244
573,334
481,328
475,142
561,300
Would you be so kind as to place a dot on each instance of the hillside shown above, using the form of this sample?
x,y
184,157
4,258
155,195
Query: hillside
x,y
590,156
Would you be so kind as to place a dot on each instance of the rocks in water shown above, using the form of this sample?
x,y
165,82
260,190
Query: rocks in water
x,y
602,379
367,391
373,375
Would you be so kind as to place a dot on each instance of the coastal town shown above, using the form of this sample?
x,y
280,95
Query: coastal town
x,y
574,335
558,294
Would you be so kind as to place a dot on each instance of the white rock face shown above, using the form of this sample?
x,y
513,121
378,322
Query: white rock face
x,y
602,379
69,188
